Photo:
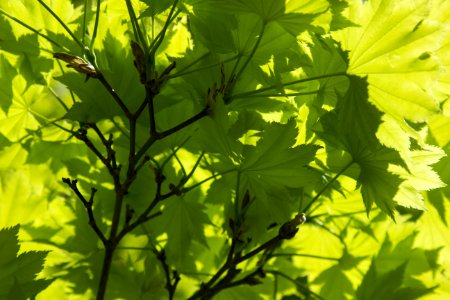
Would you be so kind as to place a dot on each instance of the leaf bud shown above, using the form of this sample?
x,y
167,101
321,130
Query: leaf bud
x,y
79,64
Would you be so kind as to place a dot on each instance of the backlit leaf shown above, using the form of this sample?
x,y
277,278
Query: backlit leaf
x,y
18,272
390,47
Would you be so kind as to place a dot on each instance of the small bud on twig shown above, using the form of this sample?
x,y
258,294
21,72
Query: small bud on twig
x,y
78,63
289,229
139,61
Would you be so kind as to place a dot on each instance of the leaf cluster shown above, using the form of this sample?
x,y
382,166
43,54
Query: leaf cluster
x,y
225,148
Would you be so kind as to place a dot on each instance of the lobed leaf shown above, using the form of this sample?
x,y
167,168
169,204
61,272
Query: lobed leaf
x,y
18,272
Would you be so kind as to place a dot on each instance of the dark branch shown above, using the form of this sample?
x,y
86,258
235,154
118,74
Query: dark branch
x,y
172,278
149,99
305,290
82,136
146,214
115,96
158,136
111,154
88,205
207,290
184,124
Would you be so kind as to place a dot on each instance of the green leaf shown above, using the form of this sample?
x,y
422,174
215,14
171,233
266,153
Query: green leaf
x,y
32,13
215,31
356,116
31,63
16,292
31,68
366,93
349,261
97,103
296,23
378,184
327,58
9,245
7,73
335,284
240,292
183,220
21,117
213,135
17,277
83,240
25,202
55,152
382,174
374,286
266,10
439,126
91,109
219,192
294,16
339,21
276,161
271,204
388,285
155,7
291,297
412,292
391,47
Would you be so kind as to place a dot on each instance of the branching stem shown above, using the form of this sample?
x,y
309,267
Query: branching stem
x,y
252,53
304,255
327,185
63,24
88,205
37,32
295,282
213,286
160,37
185,71
272,87
97,19
115,96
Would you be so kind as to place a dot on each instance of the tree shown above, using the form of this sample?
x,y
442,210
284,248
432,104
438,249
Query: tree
x,y
231,149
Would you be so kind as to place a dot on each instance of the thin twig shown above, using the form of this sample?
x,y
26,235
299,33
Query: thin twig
x,y
278,95
252,53
187,189
304,255
327,185
82,136
160,37
151,140
172,278
145,215
271,87
190,65
63,24
134,22
297,283
193,119
149,98
115,96
97,18
140,109
174,152
32,29
208,289
185,72
88,205
83,32
186,178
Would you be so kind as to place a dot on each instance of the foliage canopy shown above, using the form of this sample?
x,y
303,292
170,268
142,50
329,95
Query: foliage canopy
x,y
257,149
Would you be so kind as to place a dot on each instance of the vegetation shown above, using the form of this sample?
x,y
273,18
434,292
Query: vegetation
x,y
224,149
